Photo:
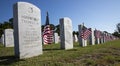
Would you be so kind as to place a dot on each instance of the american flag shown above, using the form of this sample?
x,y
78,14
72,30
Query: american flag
x,y
85,33
47,32
47,35
97,34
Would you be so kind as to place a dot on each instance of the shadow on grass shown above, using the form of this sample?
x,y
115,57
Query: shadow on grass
x,y
52,49
59,49
7,60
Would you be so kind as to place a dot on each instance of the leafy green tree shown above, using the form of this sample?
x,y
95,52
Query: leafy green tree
x,y
5,25
74,32
1,29
57,27
77,33
42,28
52,27
116,34
11,22
118,27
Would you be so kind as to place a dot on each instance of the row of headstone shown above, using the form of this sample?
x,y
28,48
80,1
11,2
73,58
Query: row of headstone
x,y
7,38
56,38
10,39
93,36
27,32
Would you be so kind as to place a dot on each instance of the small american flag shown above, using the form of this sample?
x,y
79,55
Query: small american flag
x,y
47,35
97,34
86,33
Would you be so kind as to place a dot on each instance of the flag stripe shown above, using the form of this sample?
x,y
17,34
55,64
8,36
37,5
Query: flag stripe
x,y
85,33
47,35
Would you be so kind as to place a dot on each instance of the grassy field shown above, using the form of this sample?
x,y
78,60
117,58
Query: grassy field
x,y
107,54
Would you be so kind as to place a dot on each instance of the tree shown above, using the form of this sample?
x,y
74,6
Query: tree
x,y
74,32
118,27
1,29
42,28
116,34
6,25
52,27
11,22
57,27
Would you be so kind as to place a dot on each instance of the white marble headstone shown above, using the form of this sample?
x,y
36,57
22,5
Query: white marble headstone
x,y
8,38
92,37
101,40
104,38
27,30
97,40
82,42
75,38
66,36
2,39
56,38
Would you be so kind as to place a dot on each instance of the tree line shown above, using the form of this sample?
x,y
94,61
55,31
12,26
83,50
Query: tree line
x,y
9,24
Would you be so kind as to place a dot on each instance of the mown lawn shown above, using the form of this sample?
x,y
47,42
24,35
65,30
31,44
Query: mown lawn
x,y
107,54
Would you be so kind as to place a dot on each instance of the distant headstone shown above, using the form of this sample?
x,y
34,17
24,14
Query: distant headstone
x,y
97,41
8,38
56,38
66,36
82,41
2,39
27,30
92,37
75,38
102,38
97,36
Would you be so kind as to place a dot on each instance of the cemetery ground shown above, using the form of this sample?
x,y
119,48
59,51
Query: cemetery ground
x,y
107,54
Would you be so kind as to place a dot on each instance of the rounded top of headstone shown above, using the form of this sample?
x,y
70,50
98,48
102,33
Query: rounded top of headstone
x,y
8,29
27,4
67,18
27,10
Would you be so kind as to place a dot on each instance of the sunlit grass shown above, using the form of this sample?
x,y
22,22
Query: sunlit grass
x,y
96,55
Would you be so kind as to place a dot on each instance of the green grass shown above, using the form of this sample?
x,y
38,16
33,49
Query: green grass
x,y
107,54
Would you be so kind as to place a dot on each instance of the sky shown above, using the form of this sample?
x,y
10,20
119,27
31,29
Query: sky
x,y
97,14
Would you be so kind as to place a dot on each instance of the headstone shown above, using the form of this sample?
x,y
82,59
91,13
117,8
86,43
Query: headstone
x,y
92,37
104,38
2,39
27,30
75,38
101,40
66,36
97,38
82,41
8,38
56,38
